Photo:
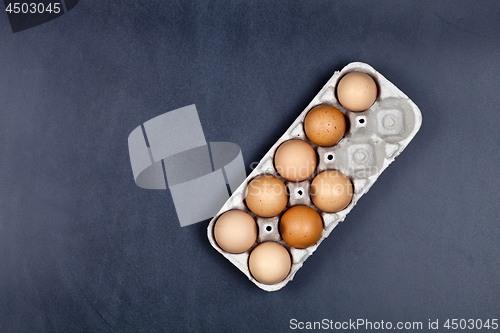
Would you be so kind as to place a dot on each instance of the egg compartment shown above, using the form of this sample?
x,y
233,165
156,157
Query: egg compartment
x,y
373,139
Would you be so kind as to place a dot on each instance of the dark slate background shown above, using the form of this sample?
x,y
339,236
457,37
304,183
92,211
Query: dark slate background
x,y
83,249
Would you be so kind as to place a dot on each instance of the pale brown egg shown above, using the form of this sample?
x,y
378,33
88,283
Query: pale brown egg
x,y
301,227
295,160
269,263
235,231
266,196
324,125
357,91
331,191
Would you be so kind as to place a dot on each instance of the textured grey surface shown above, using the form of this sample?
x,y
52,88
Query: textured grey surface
x,y
83,248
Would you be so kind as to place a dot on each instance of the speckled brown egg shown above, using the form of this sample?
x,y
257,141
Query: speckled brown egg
x,y
331,191
324,125
269,263
301,227
295,160
357,91
266,196
235,231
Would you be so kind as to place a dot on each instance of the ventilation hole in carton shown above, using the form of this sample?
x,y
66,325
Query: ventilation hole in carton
x,y
361,121
330,157
269,228
299,192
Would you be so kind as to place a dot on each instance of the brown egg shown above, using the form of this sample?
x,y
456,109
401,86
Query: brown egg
x,y
266,196
357,91
301,227
235,231
269,263
295,160
324,125
331,191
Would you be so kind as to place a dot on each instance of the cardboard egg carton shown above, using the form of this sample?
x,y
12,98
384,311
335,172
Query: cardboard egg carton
x,y
373,139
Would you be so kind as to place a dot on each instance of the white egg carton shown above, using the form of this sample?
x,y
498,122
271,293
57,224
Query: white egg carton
x,y
373,139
